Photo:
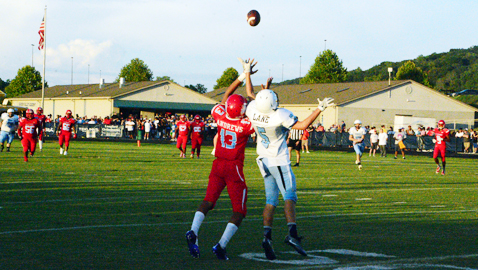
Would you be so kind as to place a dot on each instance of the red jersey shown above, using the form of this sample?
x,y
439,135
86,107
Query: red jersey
x,y
196,129
66,124
440,136
183,128
41,118
28,127
233,135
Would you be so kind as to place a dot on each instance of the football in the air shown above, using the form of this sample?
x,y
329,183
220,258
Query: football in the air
x,y
253,18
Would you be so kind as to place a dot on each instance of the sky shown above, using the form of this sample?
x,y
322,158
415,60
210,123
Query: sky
x,y
193,42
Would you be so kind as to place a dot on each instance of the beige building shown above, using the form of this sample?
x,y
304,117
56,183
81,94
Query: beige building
x,y
101,100
374,103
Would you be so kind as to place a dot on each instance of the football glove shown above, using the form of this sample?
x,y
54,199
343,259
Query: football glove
x,y
325,103
434,141
246,65
74,136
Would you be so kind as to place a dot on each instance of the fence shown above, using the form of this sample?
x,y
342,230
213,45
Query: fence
x,y
324,139
331,139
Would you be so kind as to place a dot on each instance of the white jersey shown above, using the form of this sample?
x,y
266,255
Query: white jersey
x,y
272,131
357,134
9,124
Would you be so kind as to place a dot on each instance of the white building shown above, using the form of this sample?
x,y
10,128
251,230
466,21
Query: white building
x,y
106,99
374,103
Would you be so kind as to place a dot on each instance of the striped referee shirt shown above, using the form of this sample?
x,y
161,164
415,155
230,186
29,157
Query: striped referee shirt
x,y
296,134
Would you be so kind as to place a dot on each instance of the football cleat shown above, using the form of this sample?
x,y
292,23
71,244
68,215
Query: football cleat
x,y
438,169
220,252
360,167
295,243
443,173
65,153
61,151
191,156
268,250
192,240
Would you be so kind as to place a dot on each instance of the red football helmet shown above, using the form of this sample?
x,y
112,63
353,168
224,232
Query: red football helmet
x,y
29,114
441,124
197,117
236,106
39,110
182,117
68,113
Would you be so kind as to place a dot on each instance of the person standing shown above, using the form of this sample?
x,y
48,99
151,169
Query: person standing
x,y
357,135
382,142
420,139
293,142
305,139
442,135
28,131
42,118
399,145
373,141
8,127
130,126
227,169
65,130
147,129
272,125
466,141
182,132
197,134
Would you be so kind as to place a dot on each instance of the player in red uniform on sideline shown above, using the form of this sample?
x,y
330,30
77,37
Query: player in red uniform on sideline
x,y
227,170
442,135
66,128
42,118
28,130
182,135
197,131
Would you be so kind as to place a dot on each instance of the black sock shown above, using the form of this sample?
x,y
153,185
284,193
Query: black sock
x,y
293,230
268,232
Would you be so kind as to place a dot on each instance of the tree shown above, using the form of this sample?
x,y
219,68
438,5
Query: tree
x,y
227,78
3,84
409,71
164,78
198,88
136,71
28,79
327,68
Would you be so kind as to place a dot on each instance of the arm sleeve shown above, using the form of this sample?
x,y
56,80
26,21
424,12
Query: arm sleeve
x,y
288,118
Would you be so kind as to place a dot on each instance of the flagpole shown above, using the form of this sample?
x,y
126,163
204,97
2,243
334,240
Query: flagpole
x,y
44,61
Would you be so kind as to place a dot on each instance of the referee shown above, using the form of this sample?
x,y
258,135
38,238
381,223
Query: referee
x,y
293,141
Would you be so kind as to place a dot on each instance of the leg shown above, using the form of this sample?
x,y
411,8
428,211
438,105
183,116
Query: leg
x,y
297,156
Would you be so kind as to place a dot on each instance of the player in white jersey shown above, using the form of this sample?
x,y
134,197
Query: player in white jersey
x,y
9,126
357,135
272,125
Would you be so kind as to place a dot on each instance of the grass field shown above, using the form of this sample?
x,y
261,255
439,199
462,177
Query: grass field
x,y
116,206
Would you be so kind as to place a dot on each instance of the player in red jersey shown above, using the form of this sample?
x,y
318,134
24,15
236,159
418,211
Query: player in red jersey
x,y
227,170
28,131
197,131
65,130
42,118
182,132
442,135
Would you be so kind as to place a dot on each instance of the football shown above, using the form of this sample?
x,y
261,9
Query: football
x,y
253,18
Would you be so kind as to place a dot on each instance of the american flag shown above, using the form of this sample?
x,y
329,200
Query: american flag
x,y
42,34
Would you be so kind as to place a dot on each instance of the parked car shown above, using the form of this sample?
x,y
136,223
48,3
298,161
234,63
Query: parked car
x,y
465,92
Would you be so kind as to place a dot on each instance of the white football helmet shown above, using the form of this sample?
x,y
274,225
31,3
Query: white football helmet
x,y
266,101
357,122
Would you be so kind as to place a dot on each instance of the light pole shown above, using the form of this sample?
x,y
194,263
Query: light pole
x,y
72,70
32,54
325,48
300,66
282,72
390,69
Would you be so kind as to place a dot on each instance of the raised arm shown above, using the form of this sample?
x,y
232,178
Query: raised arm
x,y
311,118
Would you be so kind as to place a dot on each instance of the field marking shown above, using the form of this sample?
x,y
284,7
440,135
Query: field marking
x,y
412,263
222,221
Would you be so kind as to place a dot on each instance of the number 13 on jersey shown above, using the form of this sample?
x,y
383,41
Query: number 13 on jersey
x,y
233,141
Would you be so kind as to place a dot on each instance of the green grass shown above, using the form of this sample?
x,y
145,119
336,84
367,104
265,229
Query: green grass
x,y
116,206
